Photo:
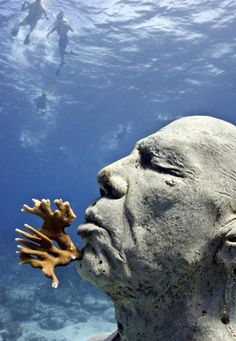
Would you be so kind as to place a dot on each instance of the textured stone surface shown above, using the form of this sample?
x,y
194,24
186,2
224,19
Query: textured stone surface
x,y
161,240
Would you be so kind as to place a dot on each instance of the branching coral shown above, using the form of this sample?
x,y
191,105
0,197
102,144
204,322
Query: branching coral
x,y
38,249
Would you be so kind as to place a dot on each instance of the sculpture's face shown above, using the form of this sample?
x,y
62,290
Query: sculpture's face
x,y
154,215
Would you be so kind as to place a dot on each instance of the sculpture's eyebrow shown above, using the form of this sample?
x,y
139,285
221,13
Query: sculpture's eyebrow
x,y
153,149
170,159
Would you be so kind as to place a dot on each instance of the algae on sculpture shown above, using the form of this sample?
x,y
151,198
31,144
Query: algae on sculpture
x,y
161,240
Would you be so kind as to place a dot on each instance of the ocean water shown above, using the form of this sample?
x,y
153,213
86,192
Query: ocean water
x,y
135,66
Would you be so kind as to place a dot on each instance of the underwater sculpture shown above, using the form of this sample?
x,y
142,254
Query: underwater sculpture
x,y
161,239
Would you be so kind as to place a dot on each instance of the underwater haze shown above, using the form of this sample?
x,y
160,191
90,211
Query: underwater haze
x,y
133,67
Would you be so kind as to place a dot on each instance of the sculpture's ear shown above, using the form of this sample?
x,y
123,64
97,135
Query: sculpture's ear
x,y
226,254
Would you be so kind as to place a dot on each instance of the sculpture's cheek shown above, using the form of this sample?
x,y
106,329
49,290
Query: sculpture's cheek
x,y
152,195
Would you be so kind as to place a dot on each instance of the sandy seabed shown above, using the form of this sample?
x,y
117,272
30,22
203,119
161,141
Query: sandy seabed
x,y
76,332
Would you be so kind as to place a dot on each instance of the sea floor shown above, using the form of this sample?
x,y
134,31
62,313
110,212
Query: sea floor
x,y
76,332
30,310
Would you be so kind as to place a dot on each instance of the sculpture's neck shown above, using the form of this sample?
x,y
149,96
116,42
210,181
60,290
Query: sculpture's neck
x,y
190,313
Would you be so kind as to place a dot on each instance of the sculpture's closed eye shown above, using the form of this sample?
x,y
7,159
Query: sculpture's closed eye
x,y
148,160
164,167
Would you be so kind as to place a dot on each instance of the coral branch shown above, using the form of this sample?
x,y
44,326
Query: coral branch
x,y
37,249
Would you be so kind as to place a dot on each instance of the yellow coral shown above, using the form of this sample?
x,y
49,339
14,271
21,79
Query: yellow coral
x,y
38,249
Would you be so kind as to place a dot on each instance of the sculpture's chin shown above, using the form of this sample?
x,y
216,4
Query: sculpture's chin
x,y
94,266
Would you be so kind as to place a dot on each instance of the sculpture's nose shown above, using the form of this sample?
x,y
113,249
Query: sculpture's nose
x,y
111,184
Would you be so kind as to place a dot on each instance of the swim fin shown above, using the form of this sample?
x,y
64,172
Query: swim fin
x,y
58,71
59,68
27,40
15,31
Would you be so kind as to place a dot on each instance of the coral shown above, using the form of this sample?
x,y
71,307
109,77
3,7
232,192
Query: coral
x,y
38,249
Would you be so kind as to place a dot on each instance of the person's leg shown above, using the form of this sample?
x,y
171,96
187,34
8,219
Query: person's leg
x,y
15,30
32,25
62,44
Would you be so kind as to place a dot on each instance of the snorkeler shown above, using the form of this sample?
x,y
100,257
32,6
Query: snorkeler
x,y
35,12
62,27
41,101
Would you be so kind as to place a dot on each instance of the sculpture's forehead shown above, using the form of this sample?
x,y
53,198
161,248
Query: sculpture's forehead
x,y
189,131
196,128
163,140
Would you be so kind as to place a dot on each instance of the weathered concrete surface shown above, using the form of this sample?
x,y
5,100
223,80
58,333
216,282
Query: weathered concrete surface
x,y
161,240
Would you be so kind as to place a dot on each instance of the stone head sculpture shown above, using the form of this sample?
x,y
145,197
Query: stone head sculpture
x,y
161,240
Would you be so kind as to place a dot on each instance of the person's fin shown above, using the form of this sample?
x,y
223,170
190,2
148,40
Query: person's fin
x,y
59,68
58,71
27,40
15,31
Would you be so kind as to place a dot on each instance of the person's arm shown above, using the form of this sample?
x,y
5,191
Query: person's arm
x,y
25,5
45,13
67,25
53,29
70,28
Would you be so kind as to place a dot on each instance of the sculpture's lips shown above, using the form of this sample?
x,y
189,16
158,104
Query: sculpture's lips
x,y
88,228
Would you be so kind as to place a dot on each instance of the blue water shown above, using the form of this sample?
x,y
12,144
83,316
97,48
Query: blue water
x,y
137,65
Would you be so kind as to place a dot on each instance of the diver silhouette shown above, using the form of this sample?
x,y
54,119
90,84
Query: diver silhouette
x,y
35,12
41,102
62,27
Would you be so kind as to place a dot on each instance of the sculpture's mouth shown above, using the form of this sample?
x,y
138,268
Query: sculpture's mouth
x,y
93,232
99,240
88,228
91,235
